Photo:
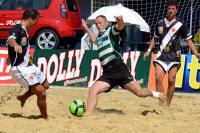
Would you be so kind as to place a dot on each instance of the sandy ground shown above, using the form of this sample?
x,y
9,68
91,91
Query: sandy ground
x,y
117,112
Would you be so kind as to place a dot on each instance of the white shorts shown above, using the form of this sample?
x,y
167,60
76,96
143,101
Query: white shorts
x,y
167,65
27,75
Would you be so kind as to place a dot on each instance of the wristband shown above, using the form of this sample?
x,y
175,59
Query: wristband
x,y
155,94
149,50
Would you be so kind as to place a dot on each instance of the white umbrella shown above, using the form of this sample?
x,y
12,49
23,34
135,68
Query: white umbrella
x,y
129,16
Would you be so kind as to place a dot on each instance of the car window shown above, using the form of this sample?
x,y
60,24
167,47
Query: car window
x,y
72,7
5,4
43,4
21,4
47,2
24,4
39,5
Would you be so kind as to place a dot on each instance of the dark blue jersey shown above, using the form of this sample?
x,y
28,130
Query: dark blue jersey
x,y
19,33
169,35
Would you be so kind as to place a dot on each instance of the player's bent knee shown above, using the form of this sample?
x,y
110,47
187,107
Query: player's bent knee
x,y
171,81
93,91
42,95
158,78
46,85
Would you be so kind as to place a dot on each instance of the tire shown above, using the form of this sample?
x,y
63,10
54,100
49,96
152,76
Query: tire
x,y
47,39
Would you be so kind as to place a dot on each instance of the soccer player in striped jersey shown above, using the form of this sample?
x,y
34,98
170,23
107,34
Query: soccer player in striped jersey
x,y
168,33
115,72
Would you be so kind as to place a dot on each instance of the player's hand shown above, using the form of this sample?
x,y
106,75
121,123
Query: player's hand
x,y
162,96
197,55
18,49
118,18
120,22
84,25
8,61
146,55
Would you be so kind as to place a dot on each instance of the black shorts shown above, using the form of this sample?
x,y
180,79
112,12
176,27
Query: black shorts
x,y
115,74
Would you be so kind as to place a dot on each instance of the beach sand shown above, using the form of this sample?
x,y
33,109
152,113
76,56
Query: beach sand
x,y
117,112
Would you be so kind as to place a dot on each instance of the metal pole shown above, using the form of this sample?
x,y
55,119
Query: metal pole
x,y
191,12
92,6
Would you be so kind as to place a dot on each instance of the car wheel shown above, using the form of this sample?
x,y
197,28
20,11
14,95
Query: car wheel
x,y
47,39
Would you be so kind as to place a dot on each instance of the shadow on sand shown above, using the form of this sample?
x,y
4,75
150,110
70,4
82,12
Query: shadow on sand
x,y
112,111
17,115
146,112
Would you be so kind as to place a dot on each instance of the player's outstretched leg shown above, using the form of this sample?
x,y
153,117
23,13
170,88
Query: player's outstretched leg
x,y
24,97
97,88
135,88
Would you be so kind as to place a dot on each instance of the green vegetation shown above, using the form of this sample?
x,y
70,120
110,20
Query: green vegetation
x,y
197,39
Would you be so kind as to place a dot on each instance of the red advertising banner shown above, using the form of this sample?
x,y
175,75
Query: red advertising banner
x,y
5,77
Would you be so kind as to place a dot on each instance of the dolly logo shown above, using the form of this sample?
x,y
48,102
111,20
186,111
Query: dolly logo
x,y
4,68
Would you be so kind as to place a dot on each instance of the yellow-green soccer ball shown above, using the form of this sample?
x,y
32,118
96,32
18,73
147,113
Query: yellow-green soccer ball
x,y
76,107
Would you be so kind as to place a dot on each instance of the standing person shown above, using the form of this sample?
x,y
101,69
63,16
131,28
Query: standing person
x,y
22,68
168,33
115,71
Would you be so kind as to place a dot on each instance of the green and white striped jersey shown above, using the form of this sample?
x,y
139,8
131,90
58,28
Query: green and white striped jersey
x,y
108,45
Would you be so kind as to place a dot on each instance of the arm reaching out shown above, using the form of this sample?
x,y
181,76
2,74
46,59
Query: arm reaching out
x,y
193,49
91,35
120,23
151,46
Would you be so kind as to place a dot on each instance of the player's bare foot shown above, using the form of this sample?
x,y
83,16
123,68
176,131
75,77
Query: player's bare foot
x,y
87,113
162,96
42,117
22,101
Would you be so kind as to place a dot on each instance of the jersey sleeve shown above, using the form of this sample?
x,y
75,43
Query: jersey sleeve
x,y
184,32
14,33
156,32
114,30
115,34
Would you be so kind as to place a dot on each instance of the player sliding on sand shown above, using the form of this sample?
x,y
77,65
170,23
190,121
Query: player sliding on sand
x,y
115,72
